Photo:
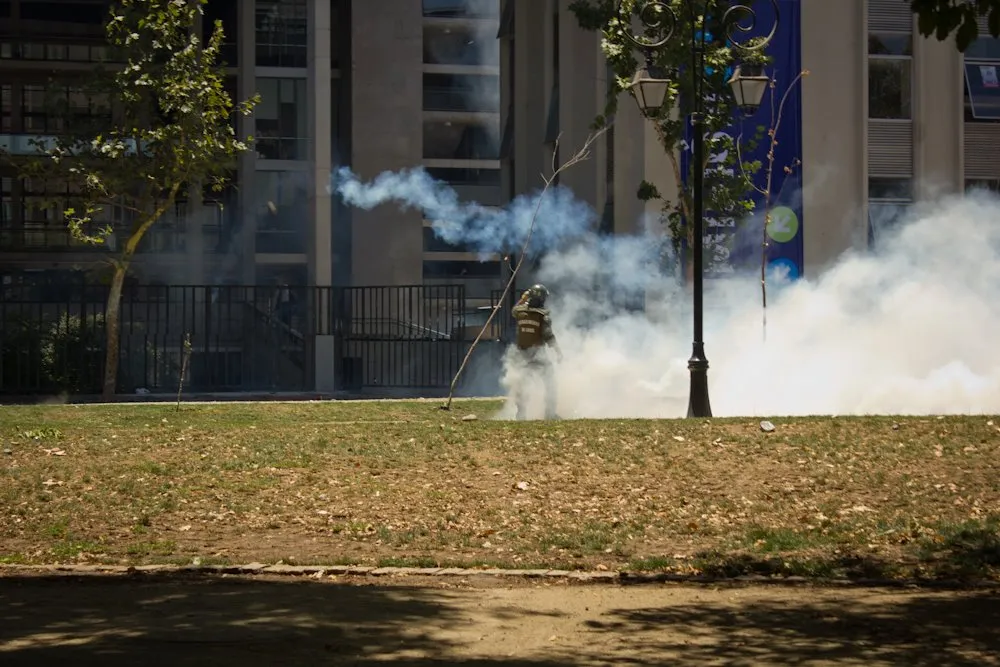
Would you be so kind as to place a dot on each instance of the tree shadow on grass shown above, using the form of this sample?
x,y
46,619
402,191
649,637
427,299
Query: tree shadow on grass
x,y
962,552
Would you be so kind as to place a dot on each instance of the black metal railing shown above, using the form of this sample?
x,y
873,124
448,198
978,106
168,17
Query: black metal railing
x,y
242,338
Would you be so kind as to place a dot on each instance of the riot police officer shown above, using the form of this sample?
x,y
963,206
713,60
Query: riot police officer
x,y
534,339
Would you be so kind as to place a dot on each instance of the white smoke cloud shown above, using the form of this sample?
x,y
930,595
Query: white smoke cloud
x,y
910,329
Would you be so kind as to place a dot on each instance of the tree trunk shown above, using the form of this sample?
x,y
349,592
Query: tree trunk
x,y
112,328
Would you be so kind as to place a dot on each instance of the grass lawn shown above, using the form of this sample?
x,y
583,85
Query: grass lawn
x,y
404,483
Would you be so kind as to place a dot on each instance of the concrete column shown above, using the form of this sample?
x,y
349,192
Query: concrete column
x,y
246,84
938,79
194,234
582,86
531,93
834,129
639,156
387,134
319,93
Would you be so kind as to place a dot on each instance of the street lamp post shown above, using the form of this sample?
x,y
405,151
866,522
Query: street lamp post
x,y
649,86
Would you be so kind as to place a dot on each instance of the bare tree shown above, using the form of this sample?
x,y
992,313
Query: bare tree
x,y
772,137
578,157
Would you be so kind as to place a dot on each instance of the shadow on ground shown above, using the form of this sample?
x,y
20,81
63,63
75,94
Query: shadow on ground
x,y
113,621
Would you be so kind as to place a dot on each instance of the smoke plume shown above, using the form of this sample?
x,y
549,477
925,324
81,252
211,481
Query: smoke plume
x,y
486,230
908,329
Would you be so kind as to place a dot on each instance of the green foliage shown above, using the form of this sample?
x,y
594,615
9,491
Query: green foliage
x,y
944,18
648,191
167,124
167,127
727,182
71,347
63,355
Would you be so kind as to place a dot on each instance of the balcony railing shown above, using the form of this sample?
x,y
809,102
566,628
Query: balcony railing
x,y
457,99
73,53
32,144
44,239
281,148
280,242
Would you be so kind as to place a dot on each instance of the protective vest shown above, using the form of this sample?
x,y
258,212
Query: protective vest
x,y
532,327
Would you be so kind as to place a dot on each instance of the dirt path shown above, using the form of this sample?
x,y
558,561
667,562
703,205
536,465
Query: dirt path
x,y
109,621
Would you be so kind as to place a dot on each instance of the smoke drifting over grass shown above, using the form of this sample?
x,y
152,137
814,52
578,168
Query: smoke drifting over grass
x,y
909,329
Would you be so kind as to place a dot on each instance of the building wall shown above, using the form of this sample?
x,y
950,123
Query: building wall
x,y
864,162
384,86
386,105
462,124
834,97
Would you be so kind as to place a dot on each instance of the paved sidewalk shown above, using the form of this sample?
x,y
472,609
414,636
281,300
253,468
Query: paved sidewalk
x,y
186,620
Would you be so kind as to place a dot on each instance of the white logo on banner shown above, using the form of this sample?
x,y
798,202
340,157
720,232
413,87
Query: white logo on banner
x,y
989,75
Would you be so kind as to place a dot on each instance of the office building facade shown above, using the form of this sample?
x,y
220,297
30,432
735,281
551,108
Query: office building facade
x,y
477,91
375,86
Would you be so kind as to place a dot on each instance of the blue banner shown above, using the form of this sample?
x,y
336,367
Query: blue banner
x,y
732,247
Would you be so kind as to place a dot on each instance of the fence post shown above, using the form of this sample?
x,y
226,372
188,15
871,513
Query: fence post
x,y
324,341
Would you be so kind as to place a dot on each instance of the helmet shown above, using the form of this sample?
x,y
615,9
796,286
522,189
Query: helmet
x,y
537,294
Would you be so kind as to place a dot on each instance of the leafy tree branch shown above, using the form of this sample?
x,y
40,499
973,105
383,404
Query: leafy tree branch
x,y
164,125
725,185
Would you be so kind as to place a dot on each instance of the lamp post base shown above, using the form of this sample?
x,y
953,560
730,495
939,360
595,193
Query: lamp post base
x,y
698,403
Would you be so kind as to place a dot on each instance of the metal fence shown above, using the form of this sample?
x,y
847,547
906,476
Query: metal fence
x,y
242,338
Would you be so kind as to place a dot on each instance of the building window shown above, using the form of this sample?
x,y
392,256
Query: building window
x,y
455,140
94,13
889,199
281,33
461,92
480,279
461,45
80,53
86,110
43,221
890,61
48,110
169,234
225,11
982,80
281,210
5,109
35,111
434,243
457,176
460,269
280,119
982,185
6,211
469,9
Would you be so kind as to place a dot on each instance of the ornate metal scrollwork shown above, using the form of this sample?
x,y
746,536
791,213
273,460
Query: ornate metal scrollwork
x,y
658,18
